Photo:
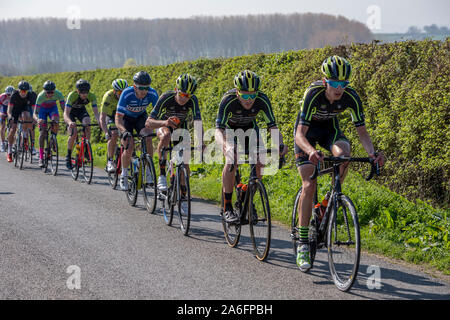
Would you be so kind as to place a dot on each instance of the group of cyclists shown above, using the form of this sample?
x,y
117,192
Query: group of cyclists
x,y
124,109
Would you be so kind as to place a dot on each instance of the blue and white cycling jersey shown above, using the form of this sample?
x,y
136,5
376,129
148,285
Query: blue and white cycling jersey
x,y
130,106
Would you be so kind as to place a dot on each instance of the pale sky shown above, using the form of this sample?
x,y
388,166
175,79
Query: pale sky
x,y
386,16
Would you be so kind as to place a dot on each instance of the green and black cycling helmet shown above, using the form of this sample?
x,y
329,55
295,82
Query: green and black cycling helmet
x,y
83,85
336,68
49,86
119,84
24,85
247,81
142,78
186,83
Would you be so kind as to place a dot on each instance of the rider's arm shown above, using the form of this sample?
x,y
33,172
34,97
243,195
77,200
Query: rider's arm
x,y
102,122
67,115
120,123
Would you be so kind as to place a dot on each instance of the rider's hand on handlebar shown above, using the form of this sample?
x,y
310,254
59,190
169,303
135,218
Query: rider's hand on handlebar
x,y
172,122
315,156
378,158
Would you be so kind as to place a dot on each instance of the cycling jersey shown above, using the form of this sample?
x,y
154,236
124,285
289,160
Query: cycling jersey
x,y
316,107
109,103
321,117
74,100
20,104
49,102
4,101
167,107
129,105
233,115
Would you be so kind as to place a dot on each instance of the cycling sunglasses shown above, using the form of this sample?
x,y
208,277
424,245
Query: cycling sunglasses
x,y
184,95
49,92
251,96
84,91
143,88
336,84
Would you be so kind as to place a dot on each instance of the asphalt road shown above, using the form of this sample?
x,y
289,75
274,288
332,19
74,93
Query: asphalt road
x,y
64,239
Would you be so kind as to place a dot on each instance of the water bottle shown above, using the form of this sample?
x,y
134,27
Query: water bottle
x,y
322,206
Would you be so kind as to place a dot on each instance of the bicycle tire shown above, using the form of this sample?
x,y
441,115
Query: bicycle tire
x,y
167,205
22,151
232,231
149,191
132,192
53,154
87,162
113,177
261,228
338,227
184,212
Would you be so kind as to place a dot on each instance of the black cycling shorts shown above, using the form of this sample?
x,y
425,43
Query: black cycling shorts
x,y
325,133
135,123
78,113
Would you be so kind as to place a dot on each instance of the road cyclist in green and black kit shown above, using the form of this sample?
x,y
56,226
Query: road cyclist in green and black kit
x,y
316,123
107,119
76,109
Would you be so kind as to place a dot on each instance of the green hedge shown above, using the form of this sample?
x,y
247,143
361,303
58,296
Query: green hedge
x,y
404,87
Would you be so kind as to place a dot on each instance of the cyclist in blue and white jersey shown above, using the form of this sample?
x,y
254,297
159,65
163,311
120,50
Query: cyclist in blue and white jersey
x,y
132,114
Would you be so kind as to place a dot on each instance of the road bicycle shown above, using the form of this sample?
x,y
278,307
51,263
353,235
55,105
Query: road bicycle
x,y
337,227
50,150
141,174
252,205
22,149
83,157
113,177
178,191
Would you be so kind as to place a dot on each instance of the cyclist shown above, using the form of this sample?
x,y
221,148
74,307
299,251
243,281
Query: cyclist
x,y
46,107
238,110
19,106
76,109
107,118
317,123
4,101
131,114
174,103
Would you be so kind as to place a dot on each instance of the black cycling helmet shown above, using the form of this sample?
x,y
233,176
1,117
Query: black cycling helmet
x,y
186,83
23,85
247,81
143,78
49,86
83,85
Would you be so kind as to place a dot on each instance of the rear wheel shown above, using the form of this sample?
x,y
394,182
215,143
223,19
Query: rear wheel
x,y
75,162
113,177
149,187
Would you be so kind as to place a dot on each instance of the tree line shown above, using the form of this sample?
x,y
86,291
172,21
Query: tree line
x,y
47,45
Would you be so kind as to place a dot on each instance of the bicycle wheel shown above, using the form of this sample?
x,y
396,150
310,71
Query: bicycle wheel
x,y
132,192
259,220
184,201
343,242
167,202
87,163
75,162
149,187
113,177
29,148
53,154
22,151
232,231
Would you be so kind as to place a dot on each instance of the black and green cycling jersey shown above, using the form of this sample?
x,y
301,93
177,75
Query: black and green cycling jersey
x,y
316,107
233,115
74,100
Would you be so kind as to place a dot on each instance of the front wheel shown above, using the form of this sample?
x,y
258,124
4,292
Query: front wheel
x,y
184,200
88,162
53,154
343,242
259,220
132,192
